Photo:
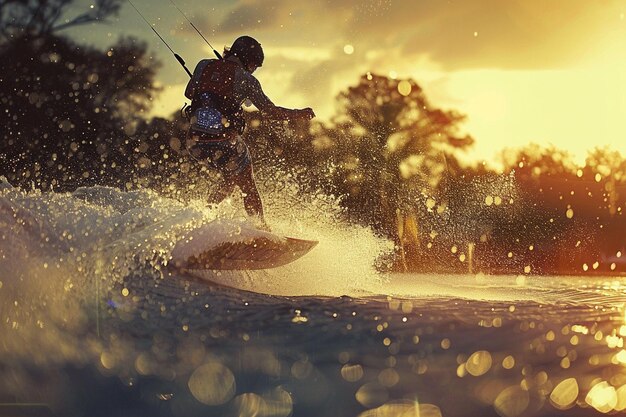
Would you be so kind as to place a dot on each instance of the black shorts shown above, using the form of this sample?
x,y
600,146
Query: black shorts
x,y
230,156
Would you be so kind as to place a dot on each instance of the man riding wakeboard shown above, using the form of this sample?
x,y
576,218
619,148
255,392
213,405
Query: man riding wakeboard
x,y
218,89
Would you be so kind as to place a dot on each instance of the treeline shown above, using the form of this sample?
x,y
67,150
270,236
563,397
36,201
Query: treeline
x,y
67,108
72,116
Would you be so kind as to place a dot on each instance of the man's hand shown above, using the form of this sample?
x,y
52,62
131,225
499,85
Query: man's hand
x,y
281,113
306,113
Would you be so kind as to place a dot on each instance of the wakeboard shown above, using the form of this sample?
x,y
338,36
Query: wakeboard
x,y
228,245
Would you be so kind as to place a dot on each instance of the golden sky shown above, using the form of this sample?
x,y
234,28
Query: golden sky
x,y
546,71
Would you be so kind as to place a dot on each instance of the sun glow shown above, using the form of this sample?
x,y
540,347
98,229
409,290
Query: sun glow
x,y
574,100
510,108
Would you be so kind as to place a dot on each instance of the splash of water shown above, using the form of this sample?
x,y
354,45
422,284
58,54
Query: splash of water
x,y
96,236
66,260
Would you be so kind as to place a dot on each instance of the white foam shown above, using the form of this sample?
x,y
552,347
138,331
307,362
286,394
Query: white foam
x,y
341,264
102,234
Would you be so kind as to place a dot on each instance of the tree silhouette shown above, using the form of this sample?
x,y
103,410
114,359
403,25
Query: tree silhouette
x,y
69,107
387,148
40,18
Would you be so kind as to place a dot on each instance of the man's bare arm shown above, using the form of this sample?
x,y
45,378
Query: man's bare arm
x,y
270,110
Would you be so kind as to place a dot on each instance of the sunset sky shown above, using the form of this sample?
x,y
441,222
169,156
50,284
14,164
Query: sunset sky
x,y
522,70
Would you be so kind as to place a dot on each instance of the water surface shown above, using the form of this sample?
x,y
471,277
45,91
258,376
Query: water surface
x,y
94,323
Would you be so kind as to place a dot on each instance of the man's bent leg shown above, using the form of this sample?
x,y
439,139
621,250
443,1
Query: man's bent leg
x,y
225,190
252,199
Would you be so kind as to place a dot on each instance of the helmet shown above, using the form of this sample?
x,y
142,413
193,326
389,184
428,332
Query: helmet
x,y
248,50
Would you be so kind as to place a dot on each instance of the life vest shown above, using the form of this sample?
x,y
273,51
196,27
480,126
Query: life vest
x,y
213,107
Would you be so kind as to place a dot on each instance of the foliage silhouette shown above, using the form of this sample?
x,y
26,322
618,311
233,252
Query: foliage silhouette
x,y
68,106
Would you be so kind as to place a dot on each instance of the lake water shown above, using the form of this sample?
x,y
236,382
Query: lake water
x,y
93,324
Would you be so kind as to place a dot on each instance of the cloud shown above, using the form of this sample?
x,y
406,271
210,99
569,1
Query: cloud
x,y
458,34
254,15
503,34
204,23
316,83
304,41
508,34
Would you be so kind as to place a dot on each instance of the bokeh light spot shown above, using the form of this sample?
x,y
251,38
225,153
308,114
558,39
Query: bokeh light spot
x,y
404,87
371,395
212,384
508,362
249,405
512,401
352,373
602,397
564,394
479,363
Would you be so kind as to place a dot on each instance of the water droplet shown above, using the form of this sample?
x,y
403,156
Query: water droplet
x,y
212,384
344,357
508,362
621,356
249,405
445,343
621,398
388,377
404,88
371,394
108,360
512,401
479,363
278,403
602,397
352,373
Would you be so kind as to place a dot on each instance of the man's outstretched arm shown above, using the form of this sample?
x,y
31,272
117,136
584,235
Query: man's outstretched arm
x,y
270,110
